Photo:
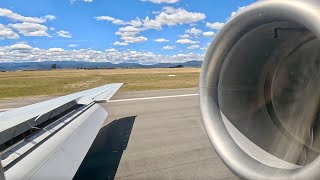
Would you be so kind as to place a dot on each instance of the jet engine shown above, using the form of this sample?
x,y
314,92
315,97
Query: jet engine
x,y
260,91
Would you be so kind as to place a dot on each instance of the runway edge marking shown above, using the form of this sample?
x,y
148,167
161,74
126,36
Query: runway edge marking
x,y
149,98
134,99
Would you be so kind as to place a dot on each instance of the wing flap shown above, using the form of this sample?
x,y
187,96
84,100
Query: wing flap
x,y
60,156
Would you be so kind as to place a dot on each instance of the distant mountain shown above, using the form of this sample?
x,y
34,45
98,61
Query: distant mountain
x,y
45,65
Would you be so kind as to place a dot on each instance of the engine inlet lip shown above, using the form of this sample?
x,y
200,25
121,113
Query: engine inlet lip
x,y
306,13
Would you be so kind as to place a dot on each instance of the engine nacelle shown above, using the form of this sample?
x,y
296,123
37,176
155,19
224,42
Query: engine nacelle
x,y
260,91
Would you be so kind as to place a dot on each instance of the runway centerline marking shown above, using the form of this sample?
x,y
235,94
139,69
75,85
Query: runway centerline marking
x,y
149,98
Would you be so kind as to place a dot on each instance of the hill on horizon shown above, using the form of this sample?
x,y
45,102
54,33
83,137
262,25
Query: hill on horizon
x,y
45,65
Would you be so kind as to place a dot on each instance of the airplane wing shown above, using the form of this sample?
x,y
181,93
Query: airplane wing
x,y
51,138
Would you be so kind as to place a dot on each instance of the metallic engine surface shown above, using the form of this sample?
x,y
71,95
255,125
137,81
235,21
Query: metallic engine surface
x,y
259,91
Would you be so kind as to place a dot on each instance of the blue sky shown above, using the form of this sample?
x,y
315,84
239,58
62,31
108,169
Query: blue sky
x,y
144,31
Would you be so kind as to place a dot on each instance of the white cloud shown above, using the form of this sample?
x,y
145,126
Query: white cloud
x,y
128,31
131,39
161,40
87,1
208,34
194,47
194,31
162,1
215,25
52,29
169,9
72,45
151,24
185,36
168,47
49,17
64,34
135,23
17,17
117,43
155,12
7,33
27,26
30,29
19,47
111,19
24,52
56,50
172,16
111,50
186,41
169,16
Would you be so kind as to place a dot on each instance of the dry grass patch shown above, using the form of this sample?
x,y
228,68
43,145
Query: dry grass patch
x,y
61,82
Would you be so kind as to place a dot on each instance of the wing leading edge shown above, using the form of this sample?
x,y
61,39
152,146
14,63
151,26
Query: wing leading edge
x,y
51,138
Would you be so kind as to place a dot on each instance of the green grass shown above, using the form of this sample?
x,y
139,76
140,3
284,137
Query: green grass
x,y
62,82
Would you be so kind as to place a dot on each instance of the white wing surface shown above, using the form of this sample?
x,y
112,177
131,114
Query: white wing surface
x,y
51,138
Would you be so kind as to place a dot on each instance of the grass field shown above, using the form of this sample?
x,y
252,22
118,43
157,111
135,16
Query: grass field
x,y
61,82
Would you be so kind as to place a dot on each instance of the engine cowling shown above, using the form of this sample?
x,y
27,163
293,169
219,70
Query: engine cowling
x,y
260,91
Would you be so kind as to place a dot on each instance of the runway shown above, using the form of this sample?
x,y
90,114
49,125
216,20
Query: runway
x,y
149,135
167,140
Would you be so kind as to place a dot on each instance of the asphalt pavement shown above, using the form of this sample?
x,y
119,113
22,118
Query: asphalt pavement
x,y
149,135
167,140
